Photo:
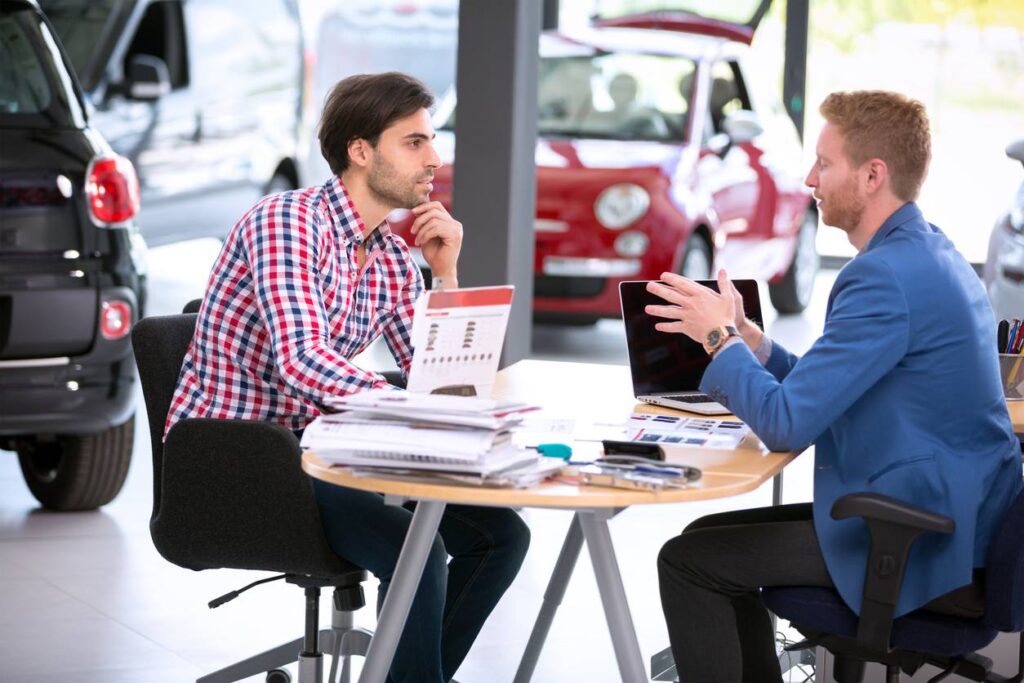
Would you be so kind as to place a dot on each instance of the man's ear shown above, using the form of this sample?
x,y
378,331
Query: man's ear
x,y
876,175
359,152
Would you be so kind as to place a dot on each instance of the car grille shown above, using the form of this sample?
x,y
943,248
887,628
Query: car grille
x,y
556,287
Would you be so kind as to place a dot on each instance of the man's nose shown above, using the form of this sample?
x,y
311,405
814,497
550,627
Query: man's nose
x,y
433,160
812,178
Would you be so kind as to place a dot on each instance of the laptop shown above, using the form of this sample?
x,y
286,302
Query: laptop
x,y
667,367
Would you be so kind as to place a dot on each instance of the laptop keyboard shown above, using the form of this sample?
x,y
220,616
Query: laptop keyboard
x,y
691,398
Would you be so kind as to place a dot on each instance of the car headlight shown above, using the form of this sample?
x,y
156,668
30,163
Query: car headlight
x,y
621,205
632,244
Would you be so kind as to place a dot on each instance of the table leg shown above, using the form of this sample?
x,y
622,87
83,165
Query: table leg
x,y
552,599
405,580
777,489
594,524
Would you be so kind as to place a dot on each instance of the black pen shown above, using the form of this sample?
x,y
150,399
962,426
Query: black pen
x,y
1002,335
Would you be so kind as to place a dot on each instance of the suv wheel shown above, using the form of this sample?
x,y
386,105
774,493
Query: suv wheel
x,y
792,293
78,472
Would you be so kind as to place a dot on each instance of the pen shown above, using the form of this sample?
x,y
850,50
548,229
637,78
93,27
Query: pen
x,y
664,471
1002,335
1014,327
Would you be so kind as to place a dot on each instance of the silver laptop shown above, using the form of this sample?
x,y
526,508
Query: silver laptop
x,y
667,368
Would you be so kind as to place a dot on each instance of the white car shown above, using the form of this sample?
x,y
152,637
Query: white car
x,y
1004,267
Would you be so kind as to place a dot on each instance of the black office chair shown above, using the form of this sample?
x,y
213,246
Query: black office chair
x,y
232,494
920,637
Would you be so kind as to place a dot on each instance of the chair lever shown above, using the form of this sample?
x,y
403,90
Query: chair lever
x,y
228,597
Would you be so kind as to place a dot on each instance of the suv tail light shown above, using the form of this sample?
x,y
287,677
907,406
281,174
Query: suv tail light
x,y
115,319
112,190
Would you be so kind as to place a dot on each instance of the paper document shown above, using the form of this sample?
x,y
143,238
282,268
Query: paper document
x,y
464,411
670,430
457,335
324,435
527,474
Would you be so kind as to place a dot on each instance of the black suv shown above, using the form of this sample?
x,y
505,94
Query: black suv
x,y
207,98
71,276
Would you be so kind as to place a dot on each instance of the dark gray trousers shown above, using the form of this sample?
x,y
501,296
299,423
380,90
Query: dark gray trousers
x,y
709,578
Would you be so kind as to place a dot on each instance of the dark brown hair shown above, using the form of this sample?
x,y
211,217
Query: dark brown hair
x,y
363,107
888,126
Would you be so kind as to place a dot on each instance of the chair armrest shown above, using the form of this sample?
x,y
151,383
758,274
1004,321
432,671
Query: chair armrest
x,y
894,526
233,494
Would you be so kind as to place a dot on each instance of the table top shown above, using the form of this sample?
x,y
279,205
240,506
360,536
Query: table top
x,y
1016,416
586,392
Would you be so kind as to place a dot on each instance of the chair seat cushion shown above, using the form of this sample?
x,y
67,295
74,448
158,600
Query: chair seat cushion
x,y
823,610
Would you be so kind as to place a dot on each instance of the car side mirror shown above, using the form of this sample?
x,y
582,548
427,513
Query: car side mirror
x,y
742,126
147,78
1015,150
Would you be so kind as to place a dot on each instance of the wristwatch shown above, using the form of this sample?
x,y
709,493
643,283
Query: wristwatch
x,y
717,336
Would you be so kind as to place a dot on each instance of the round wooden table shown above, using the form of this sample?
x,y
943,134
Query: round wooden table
x,y
580,391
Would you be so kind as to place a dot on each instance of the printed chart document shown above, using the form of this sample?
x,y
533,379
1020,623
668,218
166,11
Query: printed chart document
x,y
458,335
700,433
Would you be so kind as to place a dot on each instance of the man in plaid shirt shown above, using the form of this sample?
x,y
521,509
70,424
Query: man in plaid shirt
x,y
306,280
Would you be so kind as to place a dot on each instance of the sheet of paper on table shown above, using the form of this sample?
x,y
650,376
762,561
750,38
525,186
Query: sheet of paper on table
x,y
457,335
672,430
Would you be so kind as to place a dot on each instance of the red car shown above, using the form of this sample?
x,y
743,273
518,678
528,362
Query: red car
x,y
657,151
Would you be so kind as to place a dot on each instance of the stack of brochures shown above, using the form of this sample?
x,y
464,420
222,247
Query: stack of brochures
x,y
403,433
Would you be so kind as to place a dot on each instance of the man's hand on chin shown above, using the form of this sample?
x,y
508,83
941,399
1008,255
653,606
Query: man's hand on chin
x,y
439,237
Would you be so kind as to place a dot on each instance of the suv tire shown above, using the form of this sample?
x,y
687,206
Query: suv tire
x,y
792,293
78,472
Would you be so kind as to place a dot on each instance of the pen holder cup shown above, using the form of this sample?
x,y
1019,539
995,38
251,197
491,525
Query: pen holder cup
x,y
1011,373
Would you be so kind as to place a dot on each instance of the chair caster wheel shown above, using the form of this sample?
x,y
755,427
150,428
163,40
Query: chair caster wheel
x,y
279,676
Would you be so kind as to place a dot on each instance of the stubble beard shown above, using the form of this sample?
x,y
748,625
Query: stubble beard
x,y
843,209
389,188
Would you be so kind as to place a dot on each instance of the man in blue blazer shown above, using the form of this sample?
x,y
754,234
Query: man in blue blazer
x,y
901,395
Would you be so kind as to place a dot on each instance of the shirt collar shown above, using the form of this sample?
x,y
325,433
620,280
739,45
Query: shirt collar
x,y
344,215
901,216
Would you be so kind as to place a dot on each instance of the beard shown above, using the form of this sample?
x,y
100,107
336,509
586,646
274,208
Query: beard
x,y
842,208
388,186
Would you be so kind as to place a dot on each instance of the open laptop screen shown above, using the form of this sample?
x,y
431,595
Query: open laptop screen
x,y
662,362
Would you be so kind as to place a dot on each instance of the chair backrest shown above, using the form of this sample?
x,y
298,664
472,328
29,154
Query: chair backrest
x,y
160,345
1004,572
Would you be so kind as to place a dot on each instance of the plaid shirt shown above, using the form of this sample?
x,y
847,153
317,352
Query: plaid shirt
x,y
287,306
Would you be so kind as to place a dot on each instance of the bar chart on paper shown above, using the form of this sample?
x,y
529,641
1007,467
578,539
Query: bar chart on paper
x,y
458,335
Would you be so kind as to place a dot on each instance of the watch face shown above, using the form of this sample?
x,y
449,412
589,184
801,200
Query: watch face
x,y
714,337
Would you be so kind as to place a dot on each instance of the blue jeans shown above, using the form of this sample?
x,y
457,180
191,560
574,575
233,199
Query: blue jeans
x,y
454,598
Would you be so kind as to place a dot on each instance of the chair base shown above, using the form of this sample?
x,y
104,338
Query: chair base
x,y
342,641
851,657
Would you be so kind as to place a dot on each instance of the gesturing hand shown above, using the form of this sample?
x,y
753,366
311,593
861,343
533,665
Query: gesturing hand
x,y
693,309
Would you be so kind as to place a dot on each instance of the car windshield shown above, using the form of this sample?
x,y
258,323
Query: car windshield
x,y
612,96
82,25
35,89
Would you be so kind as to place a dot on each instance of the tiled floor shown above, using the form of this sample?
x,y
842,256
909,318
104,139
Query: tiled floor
x,y
86,598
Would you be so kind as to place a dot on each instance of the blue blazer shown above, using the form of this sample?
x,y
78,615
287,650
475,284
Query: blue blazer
x,y
901,395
